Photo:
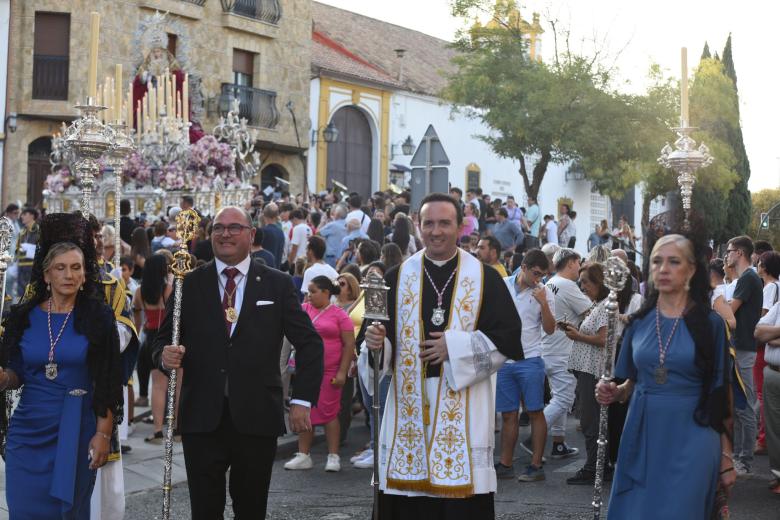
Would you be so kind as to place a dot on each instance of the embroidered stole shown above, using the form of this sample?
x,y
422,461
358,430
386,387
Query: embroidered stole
x,y
434,459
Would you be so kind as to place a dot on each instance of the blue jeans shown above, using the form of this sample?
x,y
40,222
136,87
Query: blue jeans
x,y
745,423
368,402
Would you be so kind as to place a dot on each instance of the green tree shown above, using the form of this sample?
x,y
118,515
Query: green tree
x,y
540,113
705,54
739,204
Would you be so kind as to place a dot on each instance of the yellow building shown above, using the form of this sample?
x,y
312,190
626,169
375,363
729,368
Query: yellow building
x,y
251,49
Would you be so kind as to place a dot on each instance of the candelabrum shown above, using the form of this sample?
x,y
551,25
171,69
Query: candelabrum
x,y
86,140
166,142
232,129
116,157
685,159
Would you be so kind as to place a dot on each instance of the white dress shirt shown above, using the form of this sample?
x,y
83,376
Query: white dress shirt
x,y
240,279
238,297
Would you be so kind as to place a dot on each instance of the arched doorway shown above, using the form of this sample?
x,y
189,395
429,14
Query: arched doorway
x,y
38,168
270,173
350,157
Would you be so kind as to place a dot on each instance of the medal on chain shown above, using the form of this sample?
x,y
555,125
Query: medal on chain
x,y
51,371
437,318
231,314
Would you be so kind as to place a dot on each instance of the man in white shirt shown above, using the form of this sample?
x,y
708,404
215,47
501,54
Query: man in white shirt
x,y
570,306
551,227
355,212
768,331
300,236
315,254
524,380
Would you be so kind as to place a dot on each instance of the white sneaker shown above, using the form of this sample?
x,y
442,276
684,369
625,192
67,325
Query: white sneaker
x,y
300,461
363,454
359,456
365,462
334,462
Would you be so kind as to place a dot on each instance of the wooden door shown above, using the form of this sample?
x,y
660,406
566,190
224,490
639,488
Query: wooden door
x,y
350,157
38,168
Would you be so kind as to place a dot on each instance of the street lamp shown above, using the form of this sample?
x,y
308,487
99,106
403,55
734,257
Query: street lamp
x,y
330,134
407,147
10,122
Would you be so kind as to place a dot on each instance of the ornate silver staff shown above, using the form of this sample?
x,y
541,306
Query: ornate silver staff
x,y
6,232
186,223
615,277
375,300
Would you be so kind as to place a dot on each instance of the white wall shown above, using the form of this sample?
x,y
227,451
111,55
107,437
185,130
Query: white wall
x,y
410,115
314,108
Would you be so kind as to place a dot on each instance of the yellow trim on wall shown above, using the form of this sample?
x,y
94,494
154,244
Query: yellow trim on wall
x,y
383,126
322,146
384,137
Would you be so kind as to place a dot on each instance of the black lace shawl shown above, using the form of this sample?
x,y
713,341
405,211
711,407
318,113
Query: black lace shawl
x,y
95,320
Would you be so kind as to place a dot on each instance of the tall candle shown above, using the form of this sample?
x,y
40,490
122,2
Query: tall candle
x,y
138,120
684,88
129,108
185,101
94,33
118,92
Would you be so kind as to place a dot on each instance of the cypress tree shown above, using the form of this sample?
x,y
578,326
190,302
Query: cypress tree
x,y
706,52
739,204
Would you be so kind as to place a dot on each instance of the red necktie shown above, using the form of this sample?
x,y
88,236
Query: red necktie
x,y
228,299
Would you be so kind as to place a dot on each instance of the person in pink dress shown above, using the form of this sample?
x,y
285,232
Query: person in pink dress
x,y
338,336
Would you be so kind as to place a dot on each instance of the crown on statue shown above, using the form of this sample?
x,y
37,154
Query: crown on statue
x,y
155,35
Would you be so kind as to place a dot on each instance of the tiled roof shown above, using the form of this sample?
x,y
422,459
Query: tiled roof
x,y
329,56
370,46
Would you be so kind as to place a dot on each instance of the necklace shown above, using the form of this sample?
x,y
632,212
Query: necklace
x,y
230,313
660,373
51,366
437,318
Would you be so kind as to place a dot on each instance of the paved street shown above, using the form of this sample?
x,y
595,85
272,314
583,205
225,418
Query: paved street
x,y
313,494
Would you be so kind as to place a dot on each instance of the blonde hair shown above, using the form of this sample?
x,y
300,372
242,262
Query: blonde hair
x,y
352,283
682,243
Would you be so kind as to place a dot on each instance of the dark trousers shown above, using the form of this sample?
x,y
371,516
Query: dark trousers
x,y
401,507
589,416
345,413
144,366
207,457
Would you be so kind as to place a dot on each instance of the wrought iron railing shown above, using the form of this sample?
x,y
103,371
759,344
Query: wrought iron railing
x,y
266,10
256,105
50,77
196,2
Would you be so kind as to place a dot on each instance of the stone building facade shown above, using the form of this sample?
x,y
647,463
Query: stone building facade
x,y
270,40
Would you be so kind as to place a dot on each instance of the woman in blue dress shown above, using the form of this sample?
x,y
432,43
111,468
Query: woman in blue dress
x,y
676,445
61,346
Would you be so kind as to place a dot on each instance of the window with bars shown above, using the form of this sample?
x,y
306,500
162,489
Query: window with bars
x,y
51,56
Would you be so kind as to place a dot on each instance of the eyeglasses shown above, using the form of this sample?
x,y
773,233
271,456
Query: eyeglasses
x,y
232,229
537,274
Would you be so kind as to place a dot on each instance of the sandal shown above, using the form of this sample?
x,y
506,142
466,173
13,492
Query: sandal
x,y
156,438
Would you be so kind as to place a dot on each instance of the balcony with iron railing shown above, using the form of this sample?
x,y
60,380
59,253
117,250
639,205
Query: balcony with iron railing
x,y
196,2
50,77
256,105
269,11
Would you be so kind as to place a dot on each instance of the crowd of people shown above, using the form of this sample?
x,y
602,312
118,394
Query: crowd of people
x,y
697,375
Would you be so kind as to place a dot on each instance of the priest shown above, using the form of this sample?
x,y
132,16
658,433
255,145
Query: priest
x,y
452,324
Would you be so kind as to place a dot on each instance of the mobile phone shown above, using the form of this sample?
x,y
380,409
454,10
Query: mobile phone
x,y
562,325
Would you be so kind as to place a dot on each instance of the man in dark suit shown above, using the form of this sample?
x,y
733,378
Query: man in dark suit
x,y
234,314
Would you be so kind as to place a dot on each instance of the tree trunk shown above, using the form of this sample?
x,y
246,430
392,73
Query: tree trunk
x,y
533,184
